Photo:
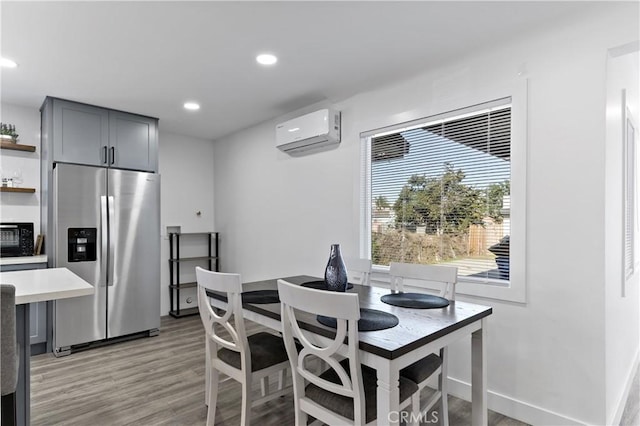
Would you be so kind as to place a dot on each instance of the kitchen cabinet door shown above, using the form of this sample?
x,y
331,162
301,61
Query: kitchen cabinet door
x,y
133,142
80,133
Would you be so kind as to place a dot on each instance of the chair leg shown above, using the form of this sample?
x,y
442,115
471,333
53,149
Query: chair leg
x,y
415,409
281,379
301,418
214,378
445,407
264,385
207,370
245,413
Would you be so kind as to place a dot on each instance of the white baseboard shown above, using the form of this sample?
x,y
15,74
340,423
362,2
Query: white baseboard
x,y
625,395
513,408
535,415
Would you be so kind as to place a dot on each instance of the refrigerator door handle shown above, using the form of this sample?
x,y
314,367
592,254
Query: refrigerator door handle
x,y
104,154
104,240
112,243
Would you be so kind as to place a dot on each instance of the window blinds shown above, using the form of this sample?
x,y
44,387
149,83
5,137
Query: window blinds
x,y
440,193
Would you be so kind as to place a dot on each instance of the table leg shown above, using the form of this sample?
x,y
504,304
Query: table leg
x,y
388,394
479,414
23,391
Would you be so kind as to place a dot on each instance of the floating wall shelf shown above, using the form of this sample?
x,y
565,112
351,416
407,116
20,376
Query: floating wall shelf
x,y
17,147
22,190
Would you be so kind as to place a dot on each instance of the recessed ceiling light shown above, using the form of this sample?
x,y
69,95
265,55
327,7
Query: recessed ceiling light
x,y
192,106
266,59
8,63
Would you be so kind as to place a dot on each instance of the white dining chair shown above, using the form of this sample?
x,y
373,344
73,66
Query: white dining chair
x,y
346,392
358,270
444,279
246,359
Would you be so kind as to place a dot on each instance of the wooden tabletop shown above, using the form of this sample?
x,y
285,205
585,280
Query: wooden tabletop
x,y
417,327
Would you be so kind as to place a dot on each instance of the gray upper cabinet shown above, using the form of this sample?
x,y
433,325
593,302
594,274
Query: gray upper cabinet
x,y
95,136
80,133
133,141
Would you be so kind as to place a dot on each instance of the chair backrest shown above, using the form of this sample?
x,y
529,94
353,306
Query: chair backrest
x,y
345,308
445,277
231,320
8,344
359,270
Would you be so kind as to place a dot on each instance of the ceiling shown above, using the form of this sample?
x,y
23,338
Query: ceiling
x,y
150,57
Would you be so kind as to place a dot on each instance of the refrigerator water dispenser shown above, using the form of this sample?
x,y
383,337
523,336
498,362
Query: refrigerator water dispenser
x,y
81,244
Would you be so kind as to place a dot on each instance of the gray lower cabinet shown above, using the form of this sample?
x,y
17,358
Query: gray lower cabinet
x,y
85,134
37,312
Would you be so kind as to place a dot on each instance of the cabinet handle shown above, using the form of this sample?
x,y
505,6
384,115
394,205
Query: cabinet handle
x,y
112,156
104,154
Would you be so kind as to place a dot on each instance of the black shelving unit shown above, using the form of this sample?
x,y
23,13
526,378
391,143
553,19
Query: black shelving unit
x,y
174,269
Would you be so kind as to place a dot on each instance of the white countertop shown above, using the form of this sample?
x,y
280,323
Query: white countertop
x,y
39,285
23,260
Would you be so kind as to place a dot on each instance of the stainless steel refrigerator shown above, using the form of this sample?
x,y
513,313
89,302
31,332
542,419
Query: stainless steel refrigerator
x,y
106,229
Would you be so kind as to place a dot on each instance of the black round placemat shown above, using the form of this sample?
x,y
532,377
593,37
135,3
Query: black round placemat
x,y
321,285
415,300
261,297
370,320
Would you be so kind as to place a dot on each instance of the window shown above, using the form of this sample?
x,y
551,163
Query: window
x,y
439,192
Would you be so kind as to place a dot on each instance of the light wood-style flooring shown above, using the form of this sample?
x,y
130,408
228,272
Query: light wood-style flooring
x,y
631,413
157,381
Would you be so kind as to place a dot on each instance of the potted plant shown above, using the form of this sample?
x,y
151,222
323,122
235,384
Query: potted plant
x,y
8,132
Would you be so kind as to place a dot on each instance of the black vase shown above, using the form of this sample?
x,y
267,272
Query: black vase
x,y
335,275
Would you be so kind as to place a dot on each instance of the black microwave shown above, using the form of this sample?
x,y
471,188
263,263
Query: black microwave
x,y
16,239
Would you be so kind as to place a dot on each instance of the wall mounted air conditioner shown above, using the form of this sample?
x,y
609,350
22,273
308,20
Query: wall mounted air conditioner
x,y
314,131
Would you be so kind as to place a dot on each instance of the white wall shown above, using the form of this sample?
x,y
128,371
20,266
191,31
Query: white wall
x,y
186,169
622,312
278,215
22,207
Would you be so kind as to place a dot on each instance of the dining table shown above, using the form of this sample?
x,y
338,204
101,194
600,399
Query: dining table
x,y
418,333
